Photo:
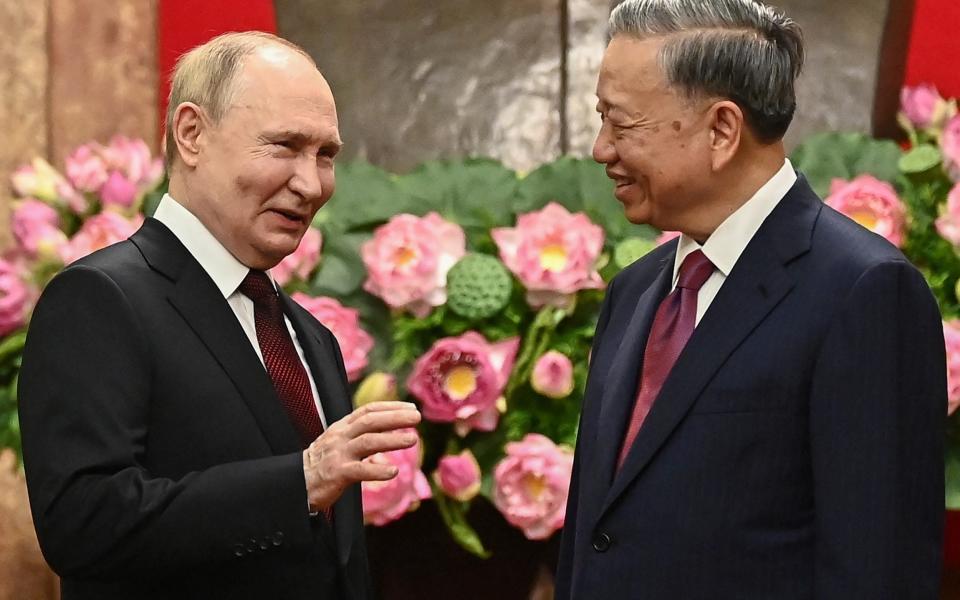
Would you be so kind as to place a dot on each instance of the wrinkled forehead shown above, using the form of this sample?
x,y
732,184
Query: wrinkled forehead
x,y
631,71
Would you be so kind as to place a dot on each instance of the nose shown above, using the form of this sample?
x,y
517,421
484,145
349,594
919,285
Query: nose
x,y
604,151
308,180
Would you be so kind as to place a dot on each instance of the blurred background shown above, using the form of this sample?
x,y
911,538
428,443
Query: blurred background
x,y
414,80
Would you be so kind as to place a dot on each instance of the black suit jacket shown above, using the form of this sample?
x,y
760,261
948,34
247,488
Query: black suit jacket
x,y
796,448
159,460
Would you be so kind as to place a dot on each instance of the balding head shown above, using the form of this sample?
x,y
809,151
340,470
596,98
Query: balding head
x,y
207,75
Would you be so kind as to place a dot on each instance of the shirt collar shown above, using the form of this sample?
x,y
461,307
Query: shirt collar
x,y
226,271
727,243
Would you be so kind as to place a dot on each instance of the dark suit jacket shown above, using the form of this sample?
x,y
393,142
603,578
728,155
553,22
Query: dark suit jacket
x,y
796,448
159,460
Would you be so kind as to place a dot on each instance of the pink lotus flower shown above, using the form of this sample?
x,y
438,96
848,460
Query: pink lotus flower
x,y
553,253
36,227
666,236
118,191
950,146
344,323
386,501
531,485
408,259
460,380
919,104
458,475
951,337
99,232
86,168
15,299
119,172
132,158
948,223
552,375
303,260
871,203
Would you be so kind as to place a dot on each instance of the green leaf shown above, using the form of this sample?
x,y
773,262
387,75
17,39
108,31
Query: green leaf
x,y
341,270
366,196
475,193
920,159
953,478
455,518
825,156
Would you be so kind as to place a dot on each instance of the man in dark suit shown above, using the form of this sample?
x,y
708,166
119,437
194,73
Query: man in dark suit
x,y
187,429
764,414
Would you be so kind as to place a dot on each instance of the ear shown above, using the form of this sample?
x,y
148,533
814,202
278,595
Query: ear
x,y
726,130
189,126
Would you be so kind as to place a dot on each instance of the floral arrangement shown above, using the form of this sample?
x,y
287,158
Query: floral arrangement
x,y
57,219
461,286
910,195
481,289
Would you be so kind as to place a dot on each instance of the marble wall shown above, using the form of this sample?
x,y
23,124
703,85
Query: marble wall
x,y
515,79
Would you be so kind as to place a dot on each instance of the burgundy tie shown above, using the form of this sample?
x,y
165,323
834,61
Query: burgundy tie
x,y
281,358
672,327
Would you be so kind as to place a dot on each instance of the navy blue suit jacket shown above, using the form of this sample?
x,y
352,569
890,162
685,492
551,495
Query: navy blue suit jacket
x,y
796,448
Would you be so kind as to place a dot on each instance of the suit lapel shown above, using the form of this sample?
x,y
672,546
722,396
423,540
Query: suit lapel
x,y
335,399
758,282
203,307
621,380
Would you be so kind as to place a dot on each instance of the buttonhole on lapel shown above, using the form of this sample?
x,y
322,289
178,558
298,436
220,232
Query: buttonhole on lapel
x,y
763,290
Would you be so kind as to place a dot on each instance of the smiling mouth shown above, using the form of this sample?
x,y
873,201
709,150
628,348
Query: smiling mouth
x,y
291,216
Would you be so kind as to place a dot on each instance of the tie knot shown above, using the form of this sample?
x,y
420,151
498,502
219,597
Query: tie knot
x,y
695,271
257,286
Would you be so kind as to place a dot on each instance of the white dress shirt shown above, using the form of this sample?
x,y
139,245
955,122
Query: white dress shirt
x,y
727,243
227,273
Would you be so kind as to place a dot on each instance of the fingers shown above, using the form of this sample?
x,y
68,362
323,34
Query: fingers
x,y
371,471
379,407
383,420
372,443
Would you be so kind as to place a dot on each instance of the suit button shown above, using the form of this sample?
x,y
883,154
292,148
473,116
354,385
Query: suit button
x,y
601,543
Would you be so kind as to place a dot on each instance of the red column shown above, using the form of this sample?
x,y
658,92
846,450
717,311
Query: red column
x,y
183,24
934,50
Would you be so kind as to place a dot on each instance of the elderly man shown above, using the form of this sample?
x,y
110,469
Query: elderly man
x,y
764,414
187,429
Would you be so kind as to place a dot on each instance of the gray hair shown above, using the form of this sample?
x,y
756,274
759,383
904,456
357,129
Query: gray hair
x,y
206,76
741,50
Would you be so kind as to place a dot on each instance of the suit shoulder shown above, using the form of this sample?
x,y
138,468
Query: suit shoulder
x,y
846,249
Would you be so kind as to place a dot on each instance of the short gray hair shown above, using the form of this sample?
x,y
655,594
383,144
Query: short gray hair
x,y
206,75
741,50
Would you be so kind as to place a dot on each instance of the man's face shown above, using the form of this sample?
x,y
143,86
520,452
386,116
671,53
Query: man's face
x,y
654,143
266,168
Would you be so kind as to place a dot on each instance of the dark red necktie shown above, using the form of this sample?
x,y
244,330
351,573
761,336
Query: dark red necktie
x,y
281,358
672,327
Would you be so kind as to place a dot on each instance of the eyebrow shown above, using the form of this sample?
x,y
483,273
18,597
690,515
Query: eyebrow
x,y
300,138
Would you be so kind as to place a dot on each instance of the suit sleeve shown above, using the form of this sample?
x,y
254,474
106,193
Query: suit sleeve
x,y
84,397
568,539
877,418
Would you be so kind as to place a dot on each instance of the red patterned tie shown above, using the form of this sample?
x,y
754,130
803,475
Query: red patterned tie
x,y
672,327
281,358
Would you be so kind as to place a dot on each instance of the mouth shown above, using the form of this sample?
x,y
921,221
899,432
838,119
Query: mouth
x,y
291,216
619,180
